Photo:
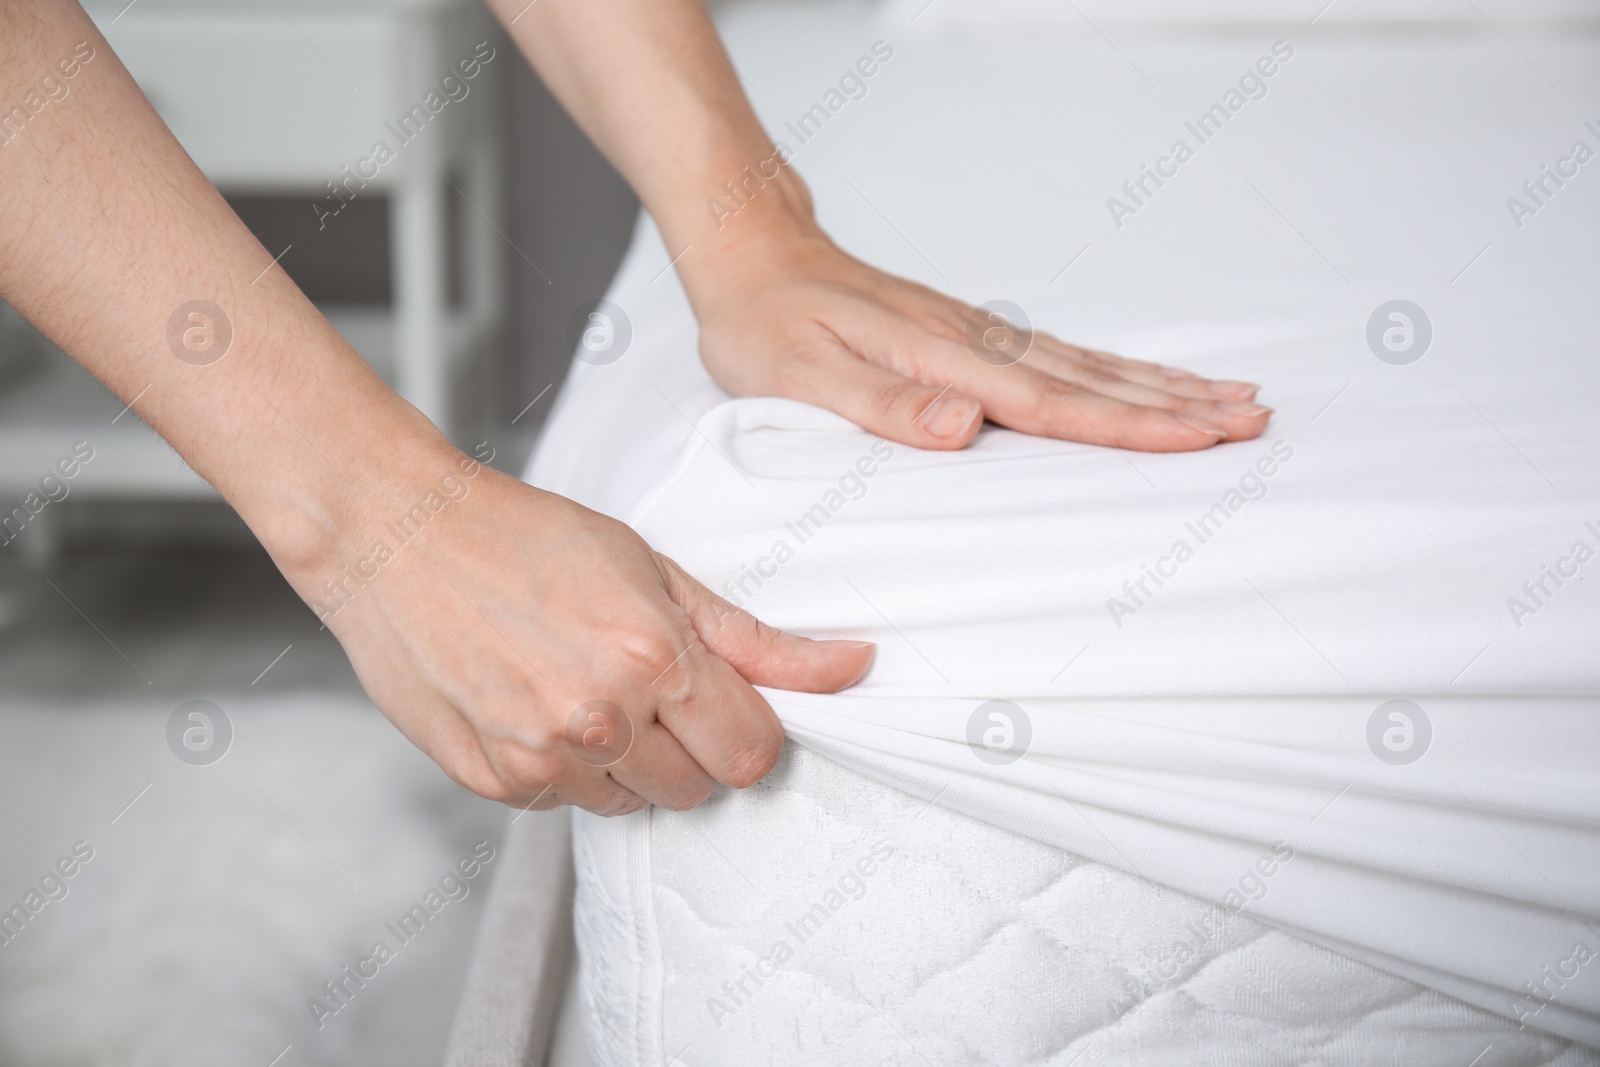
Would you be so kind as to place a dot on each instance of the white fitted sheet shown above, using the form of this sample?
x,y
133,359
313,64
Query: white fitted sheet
x,y
1230,711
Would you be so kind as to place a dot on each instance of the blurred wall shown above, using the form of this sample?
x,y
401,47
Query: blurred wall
x,y
573,215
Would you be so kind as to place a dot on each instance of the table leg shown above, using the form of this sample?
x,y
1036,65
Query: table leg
x,y
422,364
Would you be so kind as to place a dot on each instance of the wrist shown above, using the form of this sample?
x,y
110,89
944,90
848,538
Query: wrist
x,y
332,547
761,212
363,473
733,213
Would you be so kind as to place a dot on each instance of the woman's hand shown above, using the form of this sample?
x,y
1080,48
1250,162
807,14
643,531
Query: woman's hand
x,y
784,312
790,314
542,654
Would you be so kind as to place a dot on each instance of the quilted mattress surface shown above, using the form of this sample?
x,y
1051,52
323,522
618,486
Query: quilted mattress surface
x,y
820,918
1323,793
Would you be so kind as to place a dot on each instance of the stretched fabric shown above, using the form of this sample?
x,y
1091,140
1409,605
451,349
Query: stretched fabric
x,y
1368,637
1180,727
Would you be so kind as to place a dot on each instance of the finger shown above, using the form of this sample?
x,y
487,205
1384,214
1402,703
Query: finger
x,y
888,404
538,778
1032,401
763,654
543,798
1172,379
1039,403
1242,419
719,719
659,769
584,787
707,702
593,790
1053,354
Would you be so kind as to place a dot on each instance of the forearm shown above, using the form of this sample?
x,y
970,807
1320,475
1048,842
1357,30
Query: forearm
x,y
107,228
650,83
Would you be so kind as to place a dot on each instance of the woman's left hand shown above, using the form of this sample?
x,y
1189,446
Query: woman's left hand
x,y
797,317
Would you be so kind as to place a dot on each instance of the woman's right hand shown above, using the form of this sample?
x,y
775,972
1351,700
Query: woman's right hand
x,y
482,629
543,654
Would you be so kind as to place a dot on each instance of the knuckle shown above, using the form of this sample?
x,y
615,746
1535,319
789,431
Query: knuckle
x,y
764,638
676,686
644,653
1058,390
895,396
487,784
497,791
475,771
1056,402
523,768
1098,374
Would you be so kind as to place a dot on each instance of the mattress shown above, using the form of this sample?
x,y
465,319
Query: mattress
x,y
820,918
1317,784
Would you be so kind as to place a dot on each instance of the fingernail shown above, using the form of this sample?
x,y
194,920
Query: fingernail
x,y
852,644
1236,408
1201,424
951,416
1237,390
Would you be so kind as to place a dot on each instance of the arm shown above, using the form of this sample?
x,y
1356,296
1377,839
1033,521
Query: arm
x,y
482,632
782,310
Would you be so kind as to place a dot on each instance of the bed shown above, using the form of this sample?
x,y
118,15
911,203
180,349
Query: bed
x,y
1278,753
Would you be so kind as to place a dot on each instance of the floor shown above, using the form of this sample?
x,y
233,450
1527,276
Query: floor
x,y
221,896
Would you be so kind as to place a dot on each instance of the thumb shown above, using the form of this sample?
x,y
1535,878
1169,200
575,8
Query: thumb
x,y
889,405
762,654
